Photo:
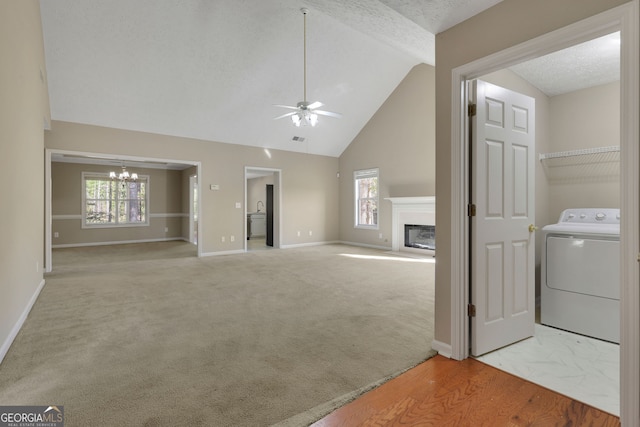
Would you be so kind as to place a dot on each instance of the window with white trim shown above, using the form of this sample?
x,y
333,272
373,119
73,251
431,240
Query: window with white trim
x,y
109,202
366,198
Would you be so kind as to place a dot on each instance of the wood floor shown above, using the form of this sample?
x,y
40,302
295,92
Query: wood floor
x,y
444,392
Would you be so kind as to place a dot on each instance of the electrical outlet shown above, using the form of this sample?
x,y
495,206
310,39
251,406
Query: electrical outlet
x,y
310,233
232,238
380,236
223,239
166,229
298,233
56,234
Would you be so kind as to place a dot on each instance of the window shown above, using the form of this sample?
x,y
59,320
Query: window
x,y
366,198
111,203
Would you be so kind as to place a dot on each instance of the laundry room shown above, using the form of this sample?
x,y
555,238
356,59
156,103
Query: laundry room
x,y
577,214
577,131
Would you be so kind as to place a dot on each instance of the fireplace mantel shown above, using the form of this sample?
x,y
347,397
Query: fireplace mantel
x,y
422,200
410,210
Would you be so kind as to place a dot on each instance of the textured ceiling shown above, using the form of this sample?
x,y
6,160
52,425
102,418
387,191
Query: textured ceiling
x,y
212,69
588,64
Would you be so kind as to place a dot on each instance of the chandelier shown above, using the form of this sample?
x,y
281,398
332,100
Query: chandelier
x,y
123,176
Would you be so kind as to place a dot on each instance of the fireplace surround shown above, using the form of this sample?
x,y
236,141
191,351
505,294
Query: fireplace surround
x,y
415,212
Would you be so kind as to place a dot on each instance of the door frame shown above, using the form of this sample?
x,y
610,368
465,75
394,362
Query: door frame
x,y
277,203
626,19
193,182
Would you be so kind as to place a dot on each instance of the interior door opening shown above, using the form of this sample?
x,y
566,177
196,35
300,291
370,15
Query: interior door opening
x,y
262,213
587,187
102,162
626,19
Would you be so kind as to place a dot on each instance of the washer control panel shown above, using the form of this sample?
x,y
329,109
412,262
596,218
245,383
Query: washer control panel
x,y
590,216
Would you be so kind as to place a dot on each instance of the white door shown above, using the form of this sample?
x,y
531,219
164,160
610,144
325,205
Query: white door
x,y
502,291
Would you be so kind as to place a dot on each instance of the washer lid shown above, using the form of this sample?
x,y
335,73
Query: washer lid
x,y
587,221
582,229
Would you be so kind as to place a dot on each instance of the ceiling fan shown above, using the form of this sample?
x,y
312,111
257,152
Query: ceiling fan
x,y
306,113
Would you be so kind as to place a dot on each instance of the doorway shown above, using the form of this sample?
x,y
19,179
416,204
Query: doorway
x,y
582,367
614,20
262,208
101,159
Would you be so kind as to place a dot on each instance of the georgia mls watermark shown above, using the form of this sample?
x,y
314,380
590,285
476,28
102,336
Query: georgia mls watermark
x,y
32,416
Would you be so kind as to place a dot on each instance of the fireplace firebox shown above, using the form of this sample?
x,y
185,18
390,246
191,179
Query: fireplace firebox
x,y
412,211
420,236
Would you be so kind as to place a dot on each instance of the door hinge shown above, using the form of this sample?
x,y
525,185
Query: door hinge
x,y
471,310
471,209
471,110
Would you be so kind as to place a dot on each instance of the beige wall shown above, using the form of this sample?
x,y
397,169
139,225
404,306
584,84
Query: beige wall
x,y
165,207
507,24
584,119
400,141
24,107
309,184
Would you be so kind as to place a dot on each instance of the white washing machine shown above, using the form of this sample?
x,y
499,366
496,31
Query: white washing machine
x,y
580,280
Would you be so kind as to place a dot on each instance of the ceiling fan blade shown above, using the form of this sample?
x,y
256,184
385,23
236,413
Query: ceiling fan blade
x,y
328,113
314,105
286,106
284,115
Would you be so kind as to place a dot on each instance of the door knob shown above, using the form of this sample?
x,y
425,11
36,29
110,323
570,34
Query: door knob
x,y
532,228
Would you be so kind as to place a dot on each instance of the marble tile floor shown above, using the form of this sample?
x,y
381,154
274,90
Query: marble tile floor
x,y
583,368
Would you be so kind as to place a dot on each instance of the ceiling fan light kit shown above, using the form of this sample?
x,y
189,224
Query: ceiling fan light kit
x,y
305,112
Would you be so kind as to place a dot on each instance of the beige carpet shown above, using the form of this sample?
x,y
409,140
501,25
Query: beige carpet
x,y
149,335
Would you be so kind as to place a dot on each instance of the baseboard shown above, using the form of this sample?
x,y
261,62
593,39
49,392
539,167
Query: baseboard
x,y
18,325
118,242
443,349
365,245
303,245
234,252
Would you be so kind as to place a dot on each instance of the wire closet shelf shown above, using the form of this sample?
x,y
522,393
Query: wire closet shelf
x,y
584,165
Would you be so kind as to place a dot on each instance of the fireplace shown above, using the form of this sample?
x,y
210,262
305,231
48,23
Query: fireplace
x,y
415,217
420,236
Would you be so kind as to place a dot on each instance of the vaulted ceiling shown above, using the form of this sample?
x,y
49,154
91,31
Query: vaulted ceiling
x,y
213,69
